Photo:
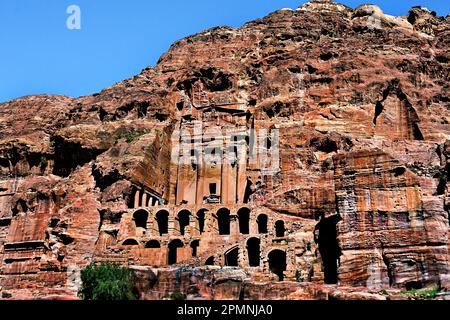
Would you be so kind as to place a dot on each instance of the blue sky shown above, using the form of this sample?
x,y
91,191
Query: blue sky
x,y
39,54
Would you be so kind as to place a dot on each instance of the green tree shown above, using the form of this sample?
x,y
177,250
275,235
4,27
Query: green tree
x,y
107,281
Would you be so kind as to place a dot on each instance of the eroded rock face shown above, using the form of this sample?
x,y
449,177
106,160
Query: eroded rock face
x,y
346,183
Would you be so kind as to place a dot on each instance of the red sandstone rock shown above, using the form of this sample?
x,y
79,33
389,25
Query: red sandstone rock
x,y
361,195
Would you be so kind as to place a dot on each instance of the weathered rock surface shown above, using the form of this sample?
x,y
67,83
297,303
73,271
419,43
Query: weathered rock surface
x,y
360,103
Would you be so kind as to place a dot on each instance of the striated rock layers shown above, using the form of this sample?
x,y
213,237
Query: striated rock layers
x,y
305,151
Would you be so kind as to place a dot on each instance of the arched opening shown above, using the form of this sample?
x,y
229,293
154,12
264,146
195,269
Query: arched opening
x,y
223,220
262,223
184,218
153,244
194,245
325,235
244,220
279,229
210,261
173,251
130,242
162,218
141,197
277,263
148,200
232,257
132,198
248,190
140,219
201,220
254,252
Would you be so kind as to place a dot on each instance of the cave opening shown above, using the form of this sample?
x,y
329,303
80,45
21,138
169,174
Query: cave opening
x,y
325,235
232,257
326,144
413,285
280,229
70,155
184,218
442,181
5,222
162,218
223,220
254,252
262,223
244,220
277,263
173,251
142,109
20,207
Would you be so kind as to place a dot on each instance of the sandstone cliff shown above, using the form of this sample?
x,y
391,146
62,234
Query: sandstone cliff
x,y
360,103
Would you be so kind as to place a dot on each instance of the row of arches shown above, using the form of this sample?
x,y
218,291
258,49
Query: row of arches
x,y
173,246
223,218
277,260
243,215
143,199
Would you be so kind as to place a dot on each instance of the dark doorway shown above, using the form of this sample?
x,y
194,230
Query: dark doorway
x,y
277,263
132,198
201,220
183,220
268,143
194,245
279,229
244,220
173,251
141,197
162,218
130,242
254,252
223,220
232,258
325,235
248,191
262,223
212,188
153,244
210,261
140,219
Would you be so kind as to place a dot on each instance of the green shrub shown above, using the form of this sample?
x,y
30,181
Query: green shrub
x,y
44,162
383,292
308,246
131,136
178,296
298,276
107,281
422,294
